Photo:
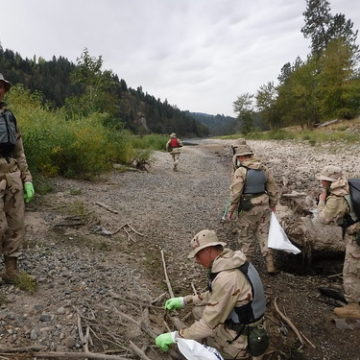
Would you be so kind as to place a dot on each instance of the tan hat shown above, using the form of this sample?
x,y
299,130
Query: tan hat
x,y
7,83
330,173
238,142
173,135
202,240
243,150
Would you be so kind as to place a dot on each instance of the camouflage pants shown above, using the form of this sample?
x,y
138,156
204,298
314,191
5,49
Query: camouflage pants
x,y
175,154
253,226
351,270
12,214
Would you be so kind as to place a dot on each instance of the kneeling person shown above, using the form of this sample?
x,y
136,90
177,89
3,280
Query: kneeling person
x,y
234,304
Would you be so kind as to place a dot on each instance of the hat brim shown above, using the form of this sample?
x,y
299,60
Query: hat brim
x,y
326,178
195,251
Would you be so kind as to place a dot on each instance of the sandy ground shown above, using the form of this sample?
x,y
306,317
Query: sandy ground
x,y
83,272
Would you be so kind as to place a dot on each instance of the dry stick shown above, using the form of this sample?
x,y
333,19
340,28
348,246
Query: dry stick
x,y
307,340
75,355
193,288
129,318
129,237
166,275
4,349
167,326
135,231
83,339
138,351
289,322
106,207
159,298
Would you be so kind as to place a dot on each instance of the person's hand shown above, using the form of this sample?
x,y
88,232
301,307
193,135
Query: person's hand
x,y
273,209
163,341
29,191
174,303
229,216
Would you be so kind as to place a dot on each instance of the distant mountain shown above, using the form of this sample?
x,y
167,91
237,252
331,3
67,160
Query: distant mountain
x,y
217,124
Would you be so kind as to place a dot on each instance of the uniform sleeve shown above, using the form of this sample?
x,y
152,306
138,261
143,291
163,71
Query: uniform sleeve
x,y
221,302
200,299
272,188
19,155
236,189
167,145
330,211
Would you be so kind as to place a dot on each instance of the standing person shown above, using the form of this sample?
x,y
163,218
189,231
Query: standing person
x,y
233,307
15,186
253,193
173,147
333,208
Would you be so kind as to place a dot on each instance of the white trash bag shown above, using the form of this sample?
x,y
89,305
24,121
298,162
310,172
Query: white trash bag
x,y
278,239
193,350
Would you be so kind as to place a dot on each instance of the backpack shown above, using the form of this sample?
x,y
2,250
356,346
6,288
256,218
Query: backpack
x,y
354,199
174,143
8,133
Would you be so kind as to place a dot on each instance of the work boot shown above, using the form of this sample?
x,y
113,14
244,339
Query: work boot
x,y
270,266
11,271
349,311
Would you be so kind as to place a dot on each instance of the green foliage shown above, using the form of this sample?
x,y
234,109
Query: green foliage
x,y
26,282
153,141
80,148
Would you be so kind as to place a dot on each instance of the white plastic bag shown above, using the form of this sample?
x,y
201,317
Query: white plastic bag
x,y
193,350
278,239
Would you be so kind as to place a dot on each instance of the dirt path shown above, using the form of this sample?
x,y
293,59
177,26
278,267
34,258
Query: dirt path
x,y
80,271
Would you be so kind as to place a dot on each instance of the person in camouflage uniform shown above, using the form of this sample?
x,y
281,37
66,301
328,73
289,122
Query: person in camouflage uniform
x,y
15,186
253,194
333,207
173,147
230,292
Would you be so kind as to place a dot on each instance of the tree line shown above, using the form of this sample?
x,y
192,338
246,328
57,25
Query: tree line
x,y
84,88
324,86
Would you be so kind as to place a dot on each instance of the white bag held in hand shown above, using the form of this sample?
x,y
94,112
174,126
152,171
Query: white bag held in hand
x,y
278,239
193,350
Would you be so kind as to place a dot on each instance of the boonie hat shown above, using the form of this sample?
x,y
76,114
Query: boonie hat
x,y
172,135
243,150
7,83
238,142
330,173
202,240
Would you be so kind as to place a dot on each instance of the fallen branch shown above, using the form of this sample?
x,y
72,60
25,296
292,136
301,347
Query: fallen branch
x,y
158,299
135,231
77,355
138,351
289,322
166,275
108,208
4,349
307,340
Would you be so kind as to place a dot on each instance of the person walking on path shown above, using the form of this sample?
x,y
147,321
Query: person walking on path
x,y
232,310
15,187
253,195
173,147
333,208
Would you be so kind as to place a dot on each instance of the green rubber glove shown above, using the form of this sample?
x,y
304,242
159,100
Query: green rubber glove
x,y
163,341
29,191
174,303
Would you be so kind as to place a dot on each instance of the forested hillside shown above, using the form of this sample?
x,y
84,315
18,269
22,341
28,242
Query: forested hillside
x,y
324,86
217,124
84,88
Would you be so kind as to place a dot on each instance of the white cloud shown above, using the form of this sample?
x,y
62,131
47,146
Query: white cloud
x,y
199,54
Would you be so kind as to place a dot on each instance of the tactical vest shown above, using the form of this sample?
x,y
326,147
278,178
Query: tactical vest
x,y
255,181
8,133
255,309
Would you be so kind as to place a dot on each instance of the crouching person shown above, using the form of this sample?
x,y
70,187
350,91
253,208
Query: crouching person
x,y
233,307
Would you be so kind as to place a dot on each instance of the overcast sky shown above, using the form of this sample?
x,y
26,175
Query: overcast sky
x,y
198,54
